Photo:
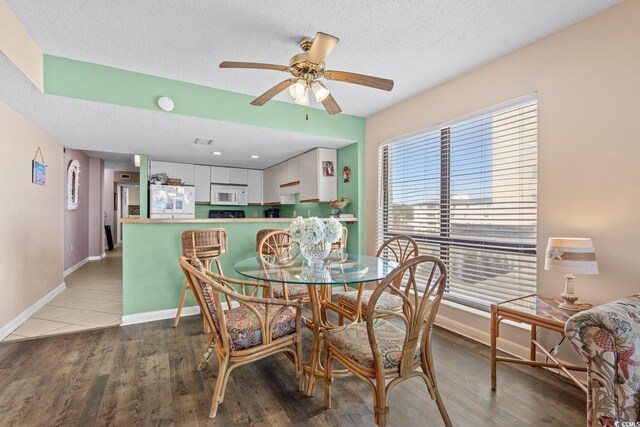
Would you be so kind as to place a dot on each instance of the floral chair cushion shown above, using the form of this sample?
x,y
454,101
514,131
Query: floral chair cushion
x,y
243,326
207,292
386,301
292,290
608,338
353,341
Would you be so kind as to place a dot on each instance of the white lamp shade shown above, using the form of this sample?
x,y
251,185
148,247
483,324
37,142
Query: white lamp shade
x,y
320,91
298,89
303,100
571,255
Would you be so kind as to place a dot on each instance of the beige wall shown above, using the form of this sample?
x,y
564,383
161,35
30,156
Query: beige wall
x,y
588,82
19,47
31,250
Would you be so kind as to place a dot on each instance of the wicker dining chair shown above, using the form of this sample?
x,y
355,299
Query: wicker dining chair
x,y
208,245
378,350
399,249
341,244
277,248
248,329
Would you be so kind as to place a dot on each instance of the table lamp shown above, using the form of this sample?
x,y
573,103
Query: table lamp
x,y
570,256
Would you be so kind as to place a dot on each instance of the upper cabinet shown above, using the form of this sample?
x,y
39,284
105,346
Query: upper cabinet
x,y
254,182
183,171
238,176
203,183
271,185
318,182
220,175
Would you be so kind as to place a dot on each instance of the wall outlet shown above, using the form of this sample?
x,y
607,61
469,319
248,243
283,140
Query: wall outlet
x,y
72,247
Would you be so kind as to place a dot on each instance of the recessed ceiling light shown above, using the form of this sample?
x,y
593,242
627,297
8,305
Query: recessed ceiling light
x,y
217,153
255,157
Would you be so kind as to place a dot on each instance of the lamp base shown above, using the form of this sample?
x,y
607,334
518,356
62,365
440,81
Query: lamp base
x,y
570,306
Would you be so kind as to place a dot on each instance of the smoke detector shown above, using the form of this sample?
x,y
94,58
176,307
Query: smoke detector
x,y
165,103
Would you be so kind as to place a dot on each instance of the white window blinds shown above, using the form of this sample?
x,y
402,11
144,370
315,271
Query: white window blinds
x,y
466,191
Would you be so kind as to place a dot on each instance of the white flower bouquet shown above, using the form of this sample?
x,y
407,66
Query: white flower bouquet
x,y
310,231
315,237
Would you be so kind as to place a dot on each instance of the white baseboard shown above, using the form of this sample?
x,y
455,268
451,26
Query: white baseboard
x,y
133,319
152,316
480,336
71,269
22,317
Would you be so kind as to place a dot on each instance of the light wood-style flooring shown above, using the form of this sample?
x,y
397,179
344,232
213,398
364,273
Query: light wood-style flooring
x,y
146,375
92,299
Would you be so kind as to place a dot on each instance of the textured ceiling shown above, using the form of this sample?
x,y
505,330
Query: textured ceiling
x,y
417,43
163,136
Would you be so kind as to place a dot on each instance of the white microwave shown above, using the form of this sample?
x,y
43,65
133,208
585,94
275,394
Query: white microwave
x,y
228,194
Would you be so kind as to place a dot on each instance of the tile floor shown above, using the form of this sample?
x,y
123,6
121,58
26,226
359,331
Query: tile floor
x,y
92,299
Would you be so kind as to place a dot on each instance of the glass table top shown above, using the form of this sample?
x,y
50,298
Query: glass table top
x,y
346,269
540,306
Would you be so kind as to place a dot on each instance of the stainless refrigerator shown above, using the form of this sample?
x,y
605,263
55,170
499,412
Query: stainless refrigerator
x,y
170,201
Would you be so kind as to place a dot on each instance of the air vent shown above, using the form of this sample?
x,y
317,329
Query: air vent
x,y
202,141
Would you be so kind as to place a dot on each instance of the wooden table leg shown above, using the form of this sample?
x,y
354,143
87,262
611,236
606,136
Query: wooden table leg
x,y
494,336
313,366
534,337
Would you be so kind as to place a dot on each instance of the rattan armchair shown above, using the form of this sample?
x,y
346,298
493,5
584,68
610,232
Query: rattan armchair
x,y
399,249
252,326
378,350
277,248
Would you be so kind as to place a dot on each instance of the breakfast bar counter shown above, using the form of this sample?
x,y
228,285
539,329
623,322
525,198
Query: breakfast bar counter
x,y
152,280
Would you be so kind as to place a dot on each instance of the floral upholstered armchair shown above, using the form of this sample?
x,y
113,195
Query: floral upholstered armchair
x,y
608,338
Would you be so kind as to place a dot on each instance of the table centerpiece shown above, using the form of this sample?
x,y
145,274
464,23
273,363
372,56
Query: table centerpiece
x,y
315,236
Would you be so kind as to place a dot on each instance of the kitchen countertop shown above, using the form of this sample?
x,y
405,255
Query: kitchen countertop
x,y
213,220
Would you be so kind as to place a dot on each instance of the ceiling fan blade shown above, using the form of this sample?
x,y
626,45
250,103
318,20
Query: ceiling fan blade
x,y
254,65
359,79
262,99
331,105
322,45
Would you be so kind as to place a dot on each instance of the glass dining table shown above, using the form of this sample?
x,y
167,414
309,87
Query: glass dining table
x,y
340,270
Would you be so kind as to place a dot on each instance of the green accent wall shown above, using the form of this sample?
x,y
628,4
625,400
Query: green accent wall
x,y
93,82
153,280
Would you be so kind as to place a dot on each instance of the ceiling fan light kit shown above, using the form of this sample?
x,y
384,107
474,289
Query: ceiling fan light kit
x,y
307,68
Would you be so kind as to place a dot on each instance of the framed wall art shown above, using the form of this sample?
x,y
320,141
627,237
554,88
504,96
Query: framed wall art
x,y
38,170
327,168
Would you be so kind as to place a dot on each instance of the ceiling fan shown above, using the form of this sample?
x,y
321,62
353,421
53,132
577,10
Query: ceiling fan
x,y
307,69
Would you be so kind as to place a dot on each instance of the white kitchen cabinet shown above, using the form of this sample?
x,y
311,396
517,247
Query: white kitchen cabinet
x,y
238,176
254,182
314,185
293,170
271,185
220,175
185,172
202,183
160,167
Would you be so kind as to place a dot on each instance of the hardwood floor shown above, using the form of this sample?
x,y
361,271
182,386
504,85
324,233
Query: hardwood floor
x,y
146,375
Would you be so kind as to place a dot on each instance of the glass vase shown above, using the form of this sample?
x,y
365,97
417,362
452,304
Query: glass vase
x,y
315,253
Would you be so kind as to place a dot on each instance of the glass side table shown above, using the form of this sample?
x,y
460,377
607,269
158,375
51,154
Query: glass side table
x,y
537,311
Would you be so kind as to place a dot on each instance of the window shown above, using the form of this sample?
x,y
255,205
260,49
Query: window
x,y
466,191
